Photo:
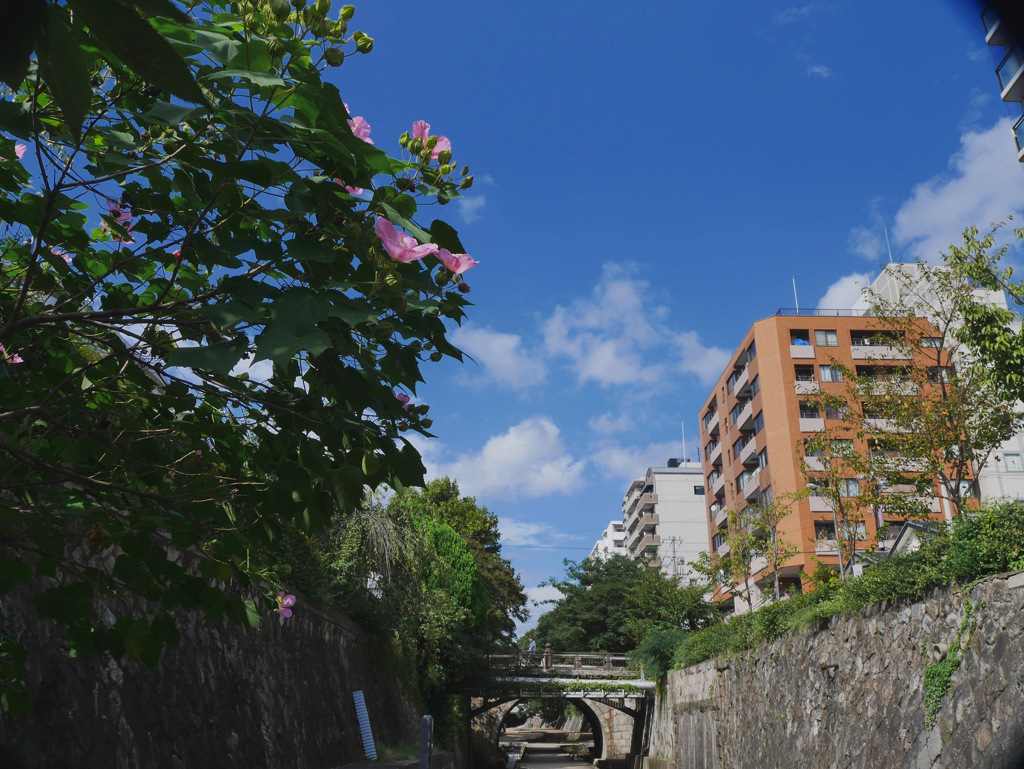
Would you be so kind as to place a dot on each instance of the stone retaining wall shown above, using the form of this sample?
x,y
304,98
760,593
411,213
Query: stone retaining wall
x,y
852,694
227,697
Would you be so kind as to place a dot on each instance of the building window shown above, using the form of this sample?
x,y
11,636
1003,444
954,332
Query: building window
x,y
824,531
849,487
799,336
1013,462
742,441
804,373
755,386
835,412
762,458
731,384
841,447
758,422
826,338
767,495
967,490
751,353
698,491
853,530
735,413
808,410
717,541
830,373
938,374
813,448
931,341
709,417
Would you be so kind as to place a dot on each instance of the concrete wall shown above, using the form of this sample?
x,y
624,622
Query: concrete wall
x,y
280,697
852,694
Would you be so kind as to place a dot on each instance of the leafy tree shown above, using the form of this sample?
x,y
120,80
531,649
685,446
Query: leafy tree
x,y
206,309
766,515
594,609
439,500
658,602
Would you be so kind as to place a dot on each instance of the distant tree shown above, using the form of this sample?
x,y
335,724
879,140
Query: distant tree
x,y
439,500
594,609
661,602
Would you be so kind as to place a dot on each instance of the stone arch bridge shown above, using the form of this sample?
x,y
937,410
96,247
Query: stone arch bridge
x,y
616,702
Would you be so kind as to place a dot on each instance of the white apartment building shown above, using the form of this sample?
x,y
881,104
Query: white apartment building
x,y
1002,477
663,515
612,542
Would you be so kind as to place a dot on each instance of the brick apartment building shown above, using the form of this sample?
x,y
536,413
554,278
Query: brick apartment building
x,y
756,420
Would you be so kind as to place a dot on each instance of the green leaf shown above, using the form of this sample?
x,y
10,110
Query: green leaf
x,y
134,41
165,113
252,615
161,8
219,356
259,78
12,574
63,68
22,26
446,237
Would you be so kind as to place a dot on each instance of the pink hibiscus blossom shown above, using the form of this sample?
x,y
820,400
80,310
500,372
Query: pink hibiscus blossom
x,y
7,357
122,217
457,263
19,150
62,254
401,247
285,604
421,130
402,398
349,190
360,128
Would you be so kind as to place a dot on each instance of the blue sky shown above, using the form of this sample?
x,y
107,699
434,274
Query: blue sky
x,y
650,178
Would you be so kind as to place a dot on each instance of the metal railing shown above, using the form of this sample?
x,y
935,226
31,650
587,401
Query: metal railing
x,y
596,663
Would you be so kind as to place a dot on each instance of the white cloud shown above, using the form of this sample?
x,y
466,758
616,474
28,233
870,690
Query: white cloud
x,y
608,336
470,208
819,70
845,292
606,424
792,13
984,185
536,597
529,460
867,242
629,462
502,357
706,363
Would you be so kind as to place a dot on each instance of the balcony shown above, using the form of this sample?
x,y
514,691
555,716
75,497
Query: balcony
x,y
723,549
1018,136
648,541
1011,75
879,425
826,547
748,454
878,352
711,423
814,463
758,563
812,425
820,504
996,33
745,419
742,383
715,457
718,486
721,517
801,351
806,388
753,486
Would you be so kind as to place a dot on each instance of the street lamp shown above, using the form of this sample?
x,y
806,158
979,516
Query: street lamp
x,y
814,487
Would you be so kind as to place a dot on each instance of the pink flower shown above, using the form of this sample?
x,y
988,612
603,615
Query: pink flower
x,y
62,254
457,263
360,129
19,150
402,398
122,217
285,604
6,357
421,130
349,190
401,247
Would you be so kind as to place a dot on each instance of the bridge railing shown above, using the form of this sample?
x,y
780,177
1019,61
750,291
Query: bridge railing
x,y
595,663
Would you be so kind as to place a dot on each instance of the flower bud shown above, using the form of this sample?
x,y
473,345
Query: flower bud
x,y
347,12
281,9
391,280
427,423
339,29
404,139
275,48
465,170
405,184
467,183
364,43
445,157
445,170
298,5
464,288
431,142
436,357
334,56
416,146
322,7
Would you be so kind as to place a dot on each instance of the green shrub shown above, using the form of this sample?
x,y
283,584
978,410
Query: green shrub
x,y
655,654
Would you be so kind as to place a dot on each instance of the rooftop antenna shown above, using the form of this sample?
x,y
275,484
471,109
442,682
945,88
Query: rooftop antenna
x,y
797,301
682,426
887,242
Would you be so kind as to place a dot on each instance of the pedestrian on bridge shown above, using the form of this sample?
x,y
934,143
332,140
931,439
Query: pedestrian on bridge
x,y
531,653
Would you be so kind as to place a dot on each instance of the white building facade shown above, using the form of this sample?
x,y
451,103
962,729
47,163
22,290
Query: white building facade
x,y
663,518
612,542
